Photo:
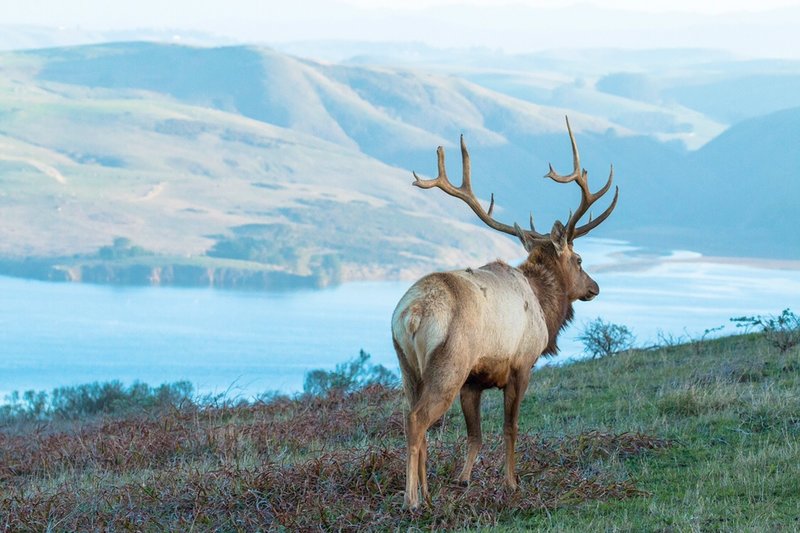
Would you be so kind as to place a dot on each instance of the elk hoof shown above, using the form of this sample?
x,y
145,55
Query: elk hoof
x,y
415,509
412,505
463,483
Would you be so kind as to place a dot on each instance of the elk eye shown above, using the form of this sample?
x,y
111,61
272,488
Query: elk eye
x,y
580,261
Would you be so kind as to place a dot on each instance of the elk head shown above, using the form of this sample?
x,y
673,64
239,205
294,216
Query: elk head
x,y
553,250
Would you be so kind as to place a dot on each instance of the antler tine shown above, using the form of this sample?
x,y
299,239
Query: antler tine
x,y
465,194
440,181
466,168
587,199
580,176
577,174
586,228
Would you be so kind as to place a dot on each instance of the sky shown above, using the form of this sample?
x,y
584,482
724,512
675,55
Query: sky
x,y
767,28
655,6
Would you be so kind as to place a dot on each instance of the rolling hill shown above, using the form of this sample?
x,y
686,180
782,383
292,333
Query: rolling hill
x,y
81,166
244,158
394,115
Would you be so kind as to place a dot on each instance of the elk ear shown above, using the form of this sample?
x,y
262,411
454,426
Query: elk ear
x,y
558,235
527,240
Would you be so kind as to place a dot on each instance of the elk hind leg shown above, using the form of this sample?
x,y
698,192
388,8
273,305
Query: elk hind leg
x,y
428,409
411,386
435,398
412,463
423,468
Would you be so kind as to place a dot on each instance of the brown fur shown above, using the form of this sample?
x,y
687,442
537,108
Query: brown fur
x,y
549,284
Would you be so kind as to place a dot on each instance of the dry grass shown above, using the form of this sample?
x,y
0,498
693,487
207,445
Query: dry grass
x,y
592,459
333,463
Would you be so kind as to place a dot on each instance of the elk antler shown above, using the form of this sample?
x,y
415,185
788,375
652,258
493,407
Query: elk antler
x,y
579,176
465,194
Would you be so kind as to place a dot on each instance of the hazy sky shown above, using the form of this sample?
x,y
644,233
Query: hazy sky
x,y
747,27
636,5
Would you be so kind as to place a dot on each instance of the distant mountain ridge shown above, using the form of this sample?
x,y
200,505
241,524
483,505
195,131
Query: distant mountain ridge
x,y
398,117
248,154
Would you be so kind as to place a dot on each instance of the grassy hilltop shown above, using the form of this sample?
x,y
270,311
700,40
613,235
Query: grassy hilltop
x,y
699,436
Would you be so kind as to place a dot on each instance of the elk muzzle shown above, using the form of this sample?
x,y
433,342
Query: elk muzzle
x,y
591,291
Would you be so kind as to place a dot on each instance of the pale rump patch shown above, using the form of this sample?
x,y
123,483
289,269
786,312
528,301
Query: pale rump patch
x,y
481,306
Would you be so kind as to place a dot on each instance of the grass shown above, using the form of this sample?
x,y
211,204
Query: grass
x,y
684,438
732,410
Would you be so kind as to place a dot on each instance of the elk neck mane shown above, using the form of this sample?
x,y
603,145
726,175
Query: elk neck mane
x,y
550,288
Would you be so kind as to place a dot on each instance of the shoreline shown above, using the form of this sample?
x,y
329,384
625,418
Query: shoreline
x,y
152,270
754,262
243,276
631,261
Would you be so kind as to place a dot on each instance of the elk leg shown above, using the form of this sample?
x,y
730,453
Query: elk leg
x,y
471,406
512,395
411,386
412,432
412,462
423,468
432,404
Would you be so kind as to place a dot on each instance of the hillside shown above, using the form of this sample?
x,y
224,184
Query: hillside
x,y
742,184
244,166
738,118
394,115
701,436
81,166
751,169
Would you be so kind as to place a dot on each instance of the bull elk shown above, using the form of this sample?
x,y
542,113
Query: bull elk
x,y
469,330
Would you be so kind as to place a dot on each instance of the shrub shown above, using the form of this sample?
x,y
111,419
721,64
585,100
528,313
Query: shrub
x,y
669,340
112,397
602,338
121,248
782,331
350,376
698,343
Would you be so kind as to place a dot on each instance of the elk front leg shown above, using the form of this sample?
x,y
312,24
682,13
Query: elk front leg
x,y
512,396
471,406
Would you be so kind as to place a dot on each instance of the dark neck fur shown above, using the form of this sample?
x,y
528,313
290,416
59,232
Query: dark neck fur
x,y
543,274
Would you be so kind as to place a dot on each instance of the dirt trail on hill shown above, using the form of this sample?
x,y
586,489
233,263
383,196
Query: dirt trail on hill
x,y
38,165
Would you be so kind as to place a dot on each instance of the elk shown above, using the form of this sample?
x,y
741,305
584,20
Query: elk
x,y
464,331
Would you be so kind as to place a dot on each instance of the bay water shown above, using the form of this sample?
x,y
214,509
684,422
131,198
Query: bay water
x,y
246,343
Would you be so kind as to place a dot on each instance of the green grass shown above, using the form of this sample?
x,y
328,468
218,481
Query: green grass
x,y
732,408
697,437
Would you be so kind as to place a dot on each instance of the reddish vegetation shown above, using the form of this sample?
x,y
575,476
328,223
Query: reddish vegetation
x,y
335,462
